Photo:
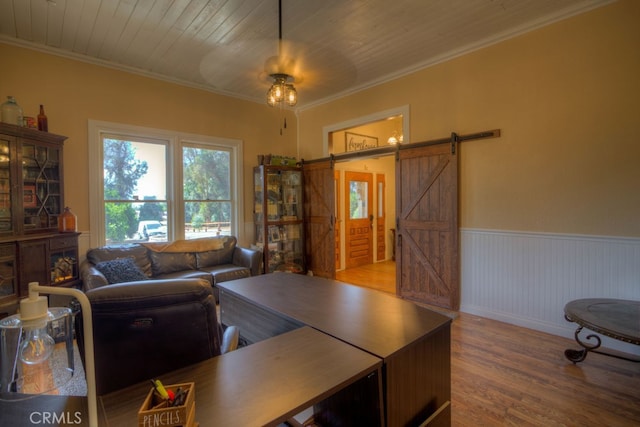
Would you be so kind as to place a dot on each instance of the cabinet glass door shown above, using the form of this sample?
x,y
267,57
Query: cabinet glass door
x,y
41,198
6,223
258,189
285,248
274,196
291,195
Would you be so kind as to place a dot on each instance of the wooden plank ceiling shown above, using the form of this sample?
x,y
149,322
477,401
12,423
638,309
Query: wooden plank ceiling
x,y
333,47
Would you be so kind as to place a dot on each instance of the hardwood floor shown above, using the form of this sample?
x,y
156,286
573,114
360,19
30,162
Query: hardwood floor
x,y
380,276
506,375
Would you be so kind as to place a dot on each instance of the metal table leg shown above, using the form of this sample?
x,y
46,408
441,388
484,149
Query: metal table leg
x,y
579,355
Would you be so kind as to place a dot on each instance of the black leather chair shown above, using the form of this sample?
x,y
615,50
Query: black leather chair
x,y
142,330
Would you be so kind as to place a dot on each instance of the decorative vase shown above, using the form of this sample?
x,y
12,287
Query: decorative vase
x,y
12,112
67,222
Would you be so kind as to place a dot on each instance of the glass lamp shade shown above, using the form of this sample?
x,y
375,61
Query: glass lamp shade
x,y
291,95
36,357
277,91
281,91
271,99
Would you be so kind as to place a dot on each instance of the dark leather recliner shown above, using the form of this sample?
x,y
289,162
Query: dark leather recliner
x,y
142,330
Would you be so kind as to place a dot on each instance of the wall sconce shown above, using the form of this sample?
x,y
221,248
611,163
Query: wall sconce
x,y
396,138
26,342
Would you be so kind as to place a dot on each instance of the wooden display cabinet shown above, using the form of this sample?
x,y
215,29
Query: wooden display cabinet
x,y
31,200
278,217
50,260
8,273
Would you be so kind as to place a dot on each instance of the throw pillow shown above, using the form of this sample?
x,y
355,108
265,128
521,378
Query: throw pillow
x,y
121,270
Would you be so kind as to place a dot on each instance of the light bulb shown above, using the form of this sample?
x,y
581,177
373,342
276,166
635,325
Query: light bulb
x,y
37,345
291,95
278,91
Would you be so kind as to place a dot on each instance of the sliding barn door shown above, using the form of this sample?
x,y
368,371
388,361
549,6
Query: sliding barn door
x,y
427,228
319,194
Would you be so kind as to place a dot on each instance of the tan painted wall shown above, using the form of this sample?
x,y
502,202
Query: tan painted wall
x,y
567,100
74,92
566,97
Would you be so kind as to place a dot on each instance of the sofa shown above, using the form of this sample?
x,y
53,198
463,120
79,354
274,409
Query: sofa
x,y
214,259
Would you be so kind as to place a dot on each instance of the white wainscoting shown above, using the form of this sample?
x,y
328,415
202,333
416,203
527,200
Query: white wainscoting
x,y
84,244
526,278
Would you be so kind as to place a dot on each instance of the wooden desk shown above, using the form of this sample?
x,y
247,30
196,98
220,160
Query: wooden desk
x,y
413,342
266,383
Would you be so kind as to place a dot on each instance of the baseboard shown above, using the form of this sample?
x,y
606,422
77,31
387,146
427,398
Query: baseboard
x,y
551,328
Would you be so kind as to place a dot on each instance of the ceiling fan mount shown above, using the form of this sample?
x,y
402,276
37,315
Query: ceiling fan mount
x,y
280,70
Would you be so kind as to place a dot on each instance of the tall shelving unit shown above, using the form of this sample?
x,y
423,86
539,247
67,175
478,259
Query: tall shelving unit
x,y
278,217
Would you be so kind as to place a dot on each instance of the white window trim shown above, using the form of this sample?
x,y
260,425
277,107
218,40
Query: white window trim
x,y
97,128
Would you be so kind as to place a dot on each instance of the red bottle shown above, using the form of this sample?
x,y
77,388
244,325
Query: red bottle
x,y
43,125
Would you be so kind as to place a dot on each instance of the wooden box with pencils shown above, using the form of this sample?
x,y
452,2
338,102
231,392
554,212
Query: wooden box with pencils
x,y
179,410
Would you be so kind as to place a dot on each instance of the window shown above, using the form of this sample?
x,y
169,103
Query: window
x,y
358,199
206,191
153,185
134,188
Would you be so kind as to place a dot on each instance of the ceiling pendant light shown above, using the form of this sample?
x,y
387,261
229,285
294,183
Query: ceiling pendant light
x,y
282,90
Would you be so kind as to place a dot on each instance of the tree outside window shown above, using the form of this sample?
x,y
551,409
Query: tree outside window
x,y
206,191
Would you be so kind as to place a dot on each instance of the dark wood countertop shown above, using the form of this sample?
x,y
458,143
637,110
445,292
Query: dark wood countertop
x,y
373,321
262,384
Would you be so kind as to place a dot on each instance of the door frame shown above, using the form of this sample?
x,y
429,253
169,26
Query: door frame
x,y
402,110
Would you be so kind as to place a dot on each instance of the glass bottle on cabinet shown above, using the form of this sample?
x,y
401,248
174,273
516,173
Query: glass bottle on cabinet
x,y
278,217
